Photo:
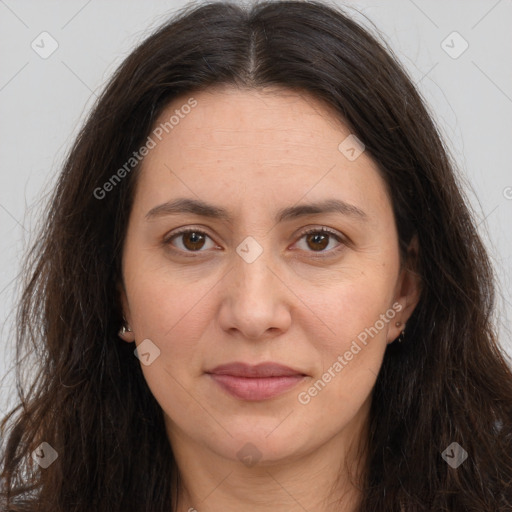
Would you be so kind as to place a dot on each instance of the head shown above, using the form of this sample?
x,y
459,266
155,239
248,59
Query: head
x,y
241,118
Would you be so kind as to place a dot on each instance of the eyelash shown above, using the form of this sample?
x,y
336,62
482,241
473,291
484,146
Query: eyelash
x,y
322,230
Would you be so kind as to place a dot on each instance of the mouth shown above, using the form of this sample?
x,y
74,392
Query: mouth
x,y
255,382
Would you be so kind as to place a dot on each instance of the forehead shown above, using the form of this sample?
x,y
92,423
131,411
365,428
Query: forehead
x,y
278,116
275,143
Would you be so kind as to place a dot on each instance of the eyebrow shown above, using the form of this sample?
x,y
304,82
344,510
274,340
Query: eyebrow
x,y
203,209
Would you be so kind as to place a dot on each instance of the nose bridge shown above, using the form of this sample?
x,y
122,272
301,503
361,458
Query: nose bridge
x,y
251,270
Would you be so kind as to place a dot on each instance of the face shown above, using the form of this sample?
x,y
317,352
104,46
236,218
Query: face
x,y
259,277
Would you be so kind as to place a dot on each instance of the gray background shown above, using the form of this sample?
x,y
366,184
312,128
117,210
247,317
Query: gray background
x,y
44,101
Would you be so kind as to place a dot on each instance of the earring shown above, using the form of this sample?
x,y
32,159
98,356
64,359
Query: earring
x,y
124,329
402,334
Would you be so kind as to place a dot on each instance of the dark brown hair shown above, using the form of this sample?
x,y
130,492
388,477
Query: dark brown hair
x,y
449,382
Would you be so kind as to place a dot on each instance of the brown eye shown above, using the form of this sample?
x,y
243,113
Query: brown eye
x,y
189,240
193,240
318,241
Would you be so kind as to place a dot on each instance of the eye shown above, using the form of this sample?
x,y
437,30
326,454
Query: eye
x,y
318,239
191,240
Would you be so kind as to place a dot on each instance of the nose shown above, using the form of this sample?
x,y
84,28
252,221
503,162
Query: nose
x,y
255,300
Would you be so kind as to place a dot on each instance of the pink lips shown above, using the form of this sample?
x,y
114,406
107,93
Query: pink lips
x,y
258,382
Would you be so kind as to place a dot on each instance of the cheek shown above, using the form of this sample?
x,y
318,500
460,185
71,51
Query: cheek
x,y
358,315
161,298
174,318
350,307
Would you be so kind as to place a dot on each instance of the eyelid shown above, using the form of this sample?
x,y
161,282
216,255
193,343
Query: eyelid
x,y
185,229
321,229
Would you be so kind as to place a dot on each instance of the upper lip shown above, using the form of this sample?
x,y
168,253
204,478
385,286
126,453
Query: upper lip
x,y
238,369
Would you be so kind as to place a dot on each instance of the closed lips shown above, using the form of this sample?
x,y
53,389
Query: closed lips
x,y
256,382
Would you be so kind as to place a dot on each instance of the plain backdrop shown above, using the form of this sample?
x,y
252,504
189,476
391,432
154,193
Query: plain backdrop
x,y
457,53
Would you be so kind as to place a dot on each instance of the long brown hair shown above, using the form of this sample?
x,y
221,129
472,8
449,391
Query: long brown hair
x,y
448,382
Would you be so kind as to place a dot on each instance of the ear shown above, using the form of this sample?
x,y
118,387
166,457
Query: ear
x,y
127,335
407,291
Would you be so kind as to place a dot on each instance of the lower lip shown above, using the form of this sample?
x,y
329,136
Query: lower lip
x,y
250,388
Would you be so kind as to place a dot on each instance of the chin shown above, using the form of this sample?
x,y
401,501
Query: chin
x,y
262,445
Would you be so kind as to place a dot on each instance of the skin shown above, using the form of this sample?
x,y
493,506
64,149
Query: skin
x,y
299,303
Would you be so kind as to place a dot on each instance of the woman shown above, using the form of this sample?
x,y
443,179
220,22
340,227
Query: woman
x,y
259,286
